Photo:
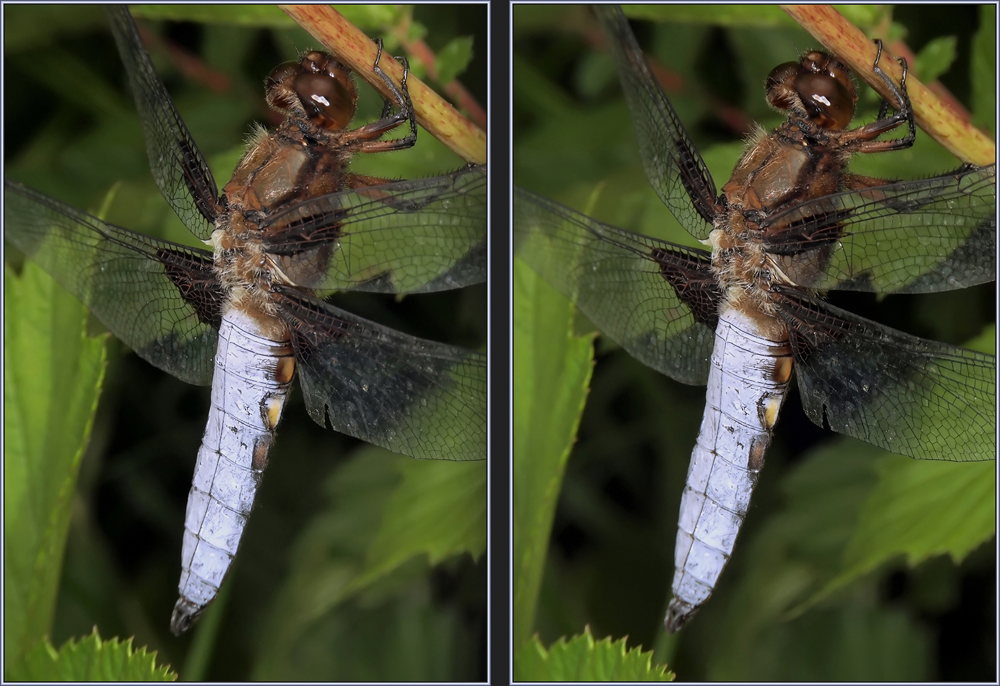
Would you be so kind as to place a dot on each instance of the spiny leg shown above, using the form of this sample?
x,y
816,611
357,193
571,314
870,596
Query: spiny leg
x,y
904,110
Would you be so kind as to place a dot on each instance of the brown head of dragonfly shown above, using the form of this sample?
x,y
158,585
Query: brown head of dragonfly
x,y
818,86
318,87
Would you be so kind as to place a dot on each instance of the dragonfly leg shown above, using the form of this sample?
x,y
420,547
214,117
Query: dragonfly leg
x,y
370,133
904,110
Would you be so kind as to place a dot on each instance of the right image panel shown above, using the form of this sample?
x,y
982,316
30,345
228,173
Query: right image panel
x,y
745,236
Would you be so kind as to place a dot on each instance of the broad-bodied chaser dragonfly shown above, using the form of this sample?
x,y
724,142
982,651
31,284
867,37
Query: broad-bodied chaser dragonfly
x,y
291,227
790,224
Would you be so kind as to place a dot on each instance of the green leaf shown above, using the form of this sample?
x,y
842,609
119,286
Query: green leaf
x,y
374,18
552,369
388,517
439,510
90,659
416,31
922,509
52,380
454,58
584,659
866,16
984,71
985,342
936,58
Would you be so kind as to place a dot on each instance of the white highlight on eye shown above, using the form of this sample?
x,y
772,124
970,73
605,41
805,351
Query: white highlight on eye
x,y
822,99
320,99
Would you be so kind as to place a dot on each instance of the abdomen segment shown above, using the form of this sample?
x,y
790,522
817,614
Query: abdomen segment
x,y
747,382
252,378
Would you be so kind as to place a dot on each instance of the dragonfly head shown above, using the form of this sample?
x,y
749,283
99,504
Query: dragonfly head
x,y
818,86
318,87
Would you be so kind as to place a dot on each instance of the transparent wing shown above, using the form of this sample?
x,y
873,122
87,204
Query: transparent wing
x,y
411,396
658,300
176,162
161,299
402,237
920,236
914,397
675,169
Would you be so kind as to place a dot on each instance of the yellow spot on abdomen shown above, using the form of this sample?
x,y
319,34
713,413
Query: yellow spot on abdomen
x,y
283,372
782,369
771,407
272,407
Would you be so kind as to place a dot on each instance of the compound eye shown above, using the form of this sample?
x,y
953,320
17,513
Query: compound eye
x,y
327,101
827,101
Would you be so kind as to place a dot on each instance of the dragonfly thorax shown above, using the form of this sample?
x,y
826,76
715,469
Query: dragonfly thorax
x,y
742,270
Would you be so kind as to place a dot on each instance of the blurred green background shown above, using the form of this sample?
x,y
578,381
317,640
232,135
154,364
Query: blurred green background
x,y
72,132
610,560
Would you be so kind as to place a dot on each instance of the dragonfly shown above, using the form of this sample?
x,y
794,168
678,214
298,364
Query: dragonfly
x,y
790,224
247,315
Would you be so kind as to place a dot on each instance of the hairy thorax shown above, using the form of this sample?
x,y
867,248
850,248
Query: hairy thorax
x,y
777,171
281,169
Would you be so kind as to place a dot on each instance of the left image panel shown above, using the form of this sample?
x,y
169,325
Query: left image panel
x,y
236,239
